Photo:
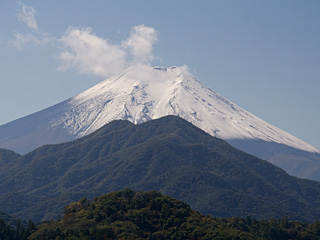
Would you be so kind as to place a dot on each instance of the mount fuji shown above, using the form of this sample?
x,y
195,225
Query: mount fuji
x,y
141,93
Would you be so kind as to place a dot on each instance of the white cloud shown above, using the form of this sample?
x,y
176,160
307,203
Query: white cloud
x,y
83,51
141,42
26,15
88,53
22,40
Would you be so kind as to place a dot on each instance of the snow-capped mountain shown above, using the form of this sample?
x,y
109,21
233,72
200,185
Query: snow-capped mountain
x,y
141,93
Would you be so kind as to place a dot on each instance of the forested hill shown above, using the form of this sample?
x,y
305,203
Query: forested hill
x,y
150,215
169,155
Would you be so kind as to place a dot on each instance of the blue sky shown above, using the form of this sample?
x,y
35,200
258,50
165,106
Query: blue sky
x,y
262,55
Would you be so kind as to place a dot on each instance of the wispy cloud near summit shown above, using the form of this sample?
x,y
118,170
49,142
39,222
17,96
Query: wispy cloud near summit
x,y
141,43
87,53
26,15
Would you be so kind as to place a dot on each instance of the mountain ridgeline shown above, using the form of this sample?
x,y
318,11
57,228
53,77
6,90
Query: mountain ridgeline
x,y
169,155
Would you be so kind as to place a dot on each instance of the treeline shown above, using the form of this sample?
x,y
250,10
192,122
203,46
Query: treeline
x,y
276,229
20,232
150,215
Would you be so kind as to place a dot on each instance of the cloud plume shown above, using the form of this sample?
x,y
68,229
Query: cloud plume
x,y
87,53
81,50
141,43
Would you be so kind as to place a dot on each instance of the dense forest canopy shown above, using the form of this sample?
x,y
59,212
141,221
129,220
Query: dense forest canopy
x,y
151,215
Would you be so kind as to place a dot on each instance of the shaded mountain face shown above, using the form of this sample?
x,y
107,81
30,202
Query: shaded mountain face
x,y
296,162
10,221
168,154
142,93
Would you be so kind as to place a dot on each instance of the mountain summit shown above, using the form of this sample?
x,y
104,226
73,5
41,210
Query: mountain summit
x,y
141,93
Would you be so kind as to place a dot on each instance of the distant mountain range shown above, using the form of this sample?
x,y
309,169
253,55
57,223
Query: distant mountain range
x,y
168,154
142,93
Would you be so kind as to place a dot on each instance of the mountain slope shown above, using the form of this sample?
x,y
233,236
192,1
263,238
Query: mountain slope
x,y
142,93
170,155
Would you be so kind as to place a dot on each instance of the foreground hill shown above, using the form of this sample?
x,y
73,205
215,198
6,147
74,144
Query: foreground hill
x,y
141,93
151,215
169,155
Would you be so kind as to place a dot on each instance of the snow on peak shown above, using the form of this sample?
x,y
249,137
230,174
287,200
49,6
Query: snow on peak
x,y
141,93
